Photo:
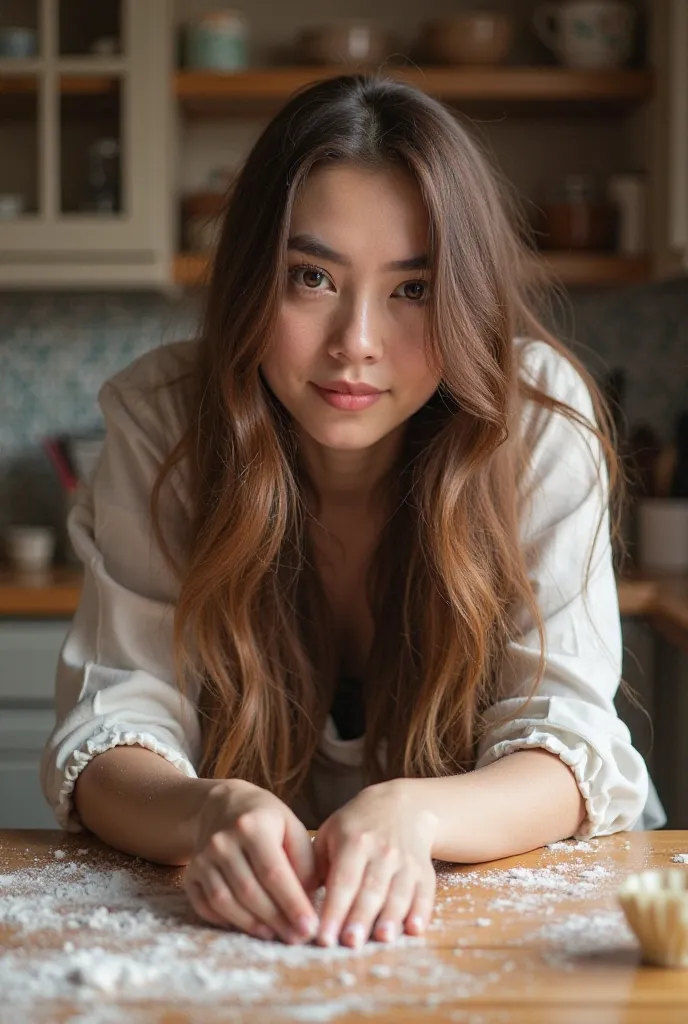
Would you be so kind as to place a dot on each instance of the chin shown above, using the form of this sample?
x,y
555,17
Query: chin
x,y
346,437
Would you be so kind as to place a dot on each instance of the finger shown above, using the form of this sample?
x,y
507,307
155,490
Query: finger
x,y
396,907
222,902
299,850
321,855
248,892
275,874
369,900
200,904
422,905
342,884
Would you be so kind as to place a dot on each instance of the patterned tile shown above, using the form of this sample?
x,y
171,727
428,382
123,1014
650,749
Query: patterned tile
x,y
56,349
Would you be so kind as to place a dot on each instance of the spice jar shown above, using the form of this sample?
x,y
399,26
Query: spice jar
x,y
578,215
216,41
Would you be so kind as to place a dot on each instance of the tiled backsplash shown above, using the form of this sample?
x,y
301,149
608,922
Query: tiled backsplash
x,y
56,349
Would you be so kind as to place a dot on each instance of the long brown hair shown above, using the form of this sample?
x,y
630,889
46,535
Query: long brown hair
x,y
253,629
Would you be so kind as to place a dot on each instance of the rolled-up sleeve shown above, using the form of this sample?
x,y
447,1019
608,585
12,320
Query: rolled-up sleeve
x,y
115,680
572,713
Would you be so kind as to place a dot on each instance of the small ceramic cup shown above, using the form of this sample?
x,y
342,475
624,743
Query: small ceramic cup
x,y
30,548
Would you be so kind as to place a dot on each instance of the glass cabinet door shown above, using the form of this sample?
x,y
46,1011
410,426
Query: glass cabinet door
x,y
85,129
21,87
90,29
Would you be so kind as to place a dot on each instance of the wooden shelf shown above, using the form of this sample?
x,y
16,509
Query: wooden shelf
x,y
83,95
70,85
524,89
571,269
591,269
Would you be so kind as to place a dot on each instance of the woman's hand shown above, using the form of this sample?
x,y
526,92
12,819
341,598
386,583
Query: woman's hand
x,y
374,855
252,864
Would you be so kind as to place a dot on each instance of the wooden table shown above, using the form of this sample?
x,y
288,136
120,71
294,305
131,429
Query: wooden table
x,y
541,945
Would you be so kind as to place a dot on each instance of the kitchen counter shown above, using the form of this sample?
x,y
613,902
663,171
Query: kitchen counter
x,y
86,930
53,592
56,593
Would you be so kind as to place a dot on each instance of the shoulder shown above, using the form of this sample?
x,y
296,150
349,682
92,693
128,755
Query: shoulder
x,y
153,391
560,445
550,371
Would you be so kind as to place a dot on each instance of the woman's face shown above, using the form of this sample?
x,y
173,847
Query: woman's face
x,y
355,308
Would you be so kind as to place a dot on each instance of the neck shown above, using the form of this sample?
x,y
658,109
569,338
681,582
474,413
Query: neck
x,y
349,481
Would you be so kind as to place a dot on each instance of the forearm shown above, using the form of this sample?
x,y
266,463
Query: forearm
x,y
139,803
523,801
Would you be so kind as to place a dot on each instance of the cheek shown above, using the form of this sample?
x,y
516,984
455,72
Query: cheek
x,y
412,368
292,346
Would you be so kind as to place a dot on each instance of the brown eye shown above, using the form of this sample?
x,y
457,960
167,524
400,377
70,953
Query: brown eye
x,y
414,291
309,277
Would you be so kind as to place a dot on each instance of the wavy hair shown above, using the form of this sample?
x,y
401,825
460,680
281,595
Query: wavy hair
x,y
253,627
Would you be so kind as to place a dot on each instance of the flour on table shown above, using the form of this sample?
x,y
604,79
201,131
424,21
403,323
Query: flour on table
x,y
569,846
680,858
108,933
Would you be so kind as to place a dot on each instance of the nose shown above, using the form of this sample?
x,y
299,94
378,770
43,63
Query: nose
x,y
357,335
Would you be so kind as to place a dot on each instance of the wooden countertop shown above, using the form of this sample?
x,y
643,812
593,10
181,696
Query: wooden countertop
x,y
56,593
541,945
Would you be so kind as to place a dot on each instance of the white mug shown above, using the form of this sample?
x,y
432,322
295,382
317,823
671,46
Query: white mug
x,y
592,34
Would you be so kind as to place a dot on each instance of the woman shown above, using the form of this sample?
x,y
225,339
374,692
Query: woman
x,y
347,548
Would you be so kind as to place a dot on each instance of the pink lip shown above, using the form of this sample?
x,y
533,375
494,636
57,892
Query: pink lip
x,y
347,401
345,388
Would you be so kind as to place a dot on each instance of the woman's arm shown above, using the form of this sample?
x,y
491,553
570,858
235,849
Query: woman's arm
x,y
515,804
139,803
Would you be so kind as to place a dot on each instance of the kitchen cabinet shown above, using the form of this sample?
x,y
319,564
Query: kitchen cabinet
x,y
29,651
676,213
85,192
175,126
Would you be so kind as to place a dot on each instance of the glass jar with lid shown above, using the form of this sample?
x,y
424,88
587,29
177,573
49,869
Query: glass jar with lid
x,y
577,214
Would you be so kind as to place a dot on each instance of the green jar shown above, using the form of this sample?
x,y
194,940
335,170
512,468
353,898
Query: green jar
x,y
216,42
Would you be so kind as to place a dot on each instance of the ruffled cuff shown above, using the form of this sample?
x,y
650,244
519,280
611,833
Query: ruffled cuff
x,y
592,776
117,735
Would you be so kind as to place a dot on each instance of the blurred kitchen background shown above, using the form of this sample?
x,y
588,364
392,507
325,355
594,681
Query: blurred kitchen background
x,y
121,124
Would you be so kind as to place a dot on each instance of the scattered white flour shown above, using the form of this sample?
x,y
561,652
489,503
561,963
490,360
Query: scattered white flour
x,y
569,846
99,934
530,890
484,922
588,934
680,858
59,855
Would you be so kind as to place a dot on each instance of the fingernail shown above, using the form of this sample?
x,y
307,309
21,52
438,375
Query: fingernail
x,y
387,931
416,922
327,937
353,934
306,926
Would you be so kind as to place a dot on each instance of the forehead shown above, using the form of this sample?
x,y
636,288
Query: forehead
x,y
347,205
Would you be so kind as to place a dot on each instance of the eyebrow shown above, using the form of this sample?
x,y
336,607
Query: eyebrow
x,y
312,246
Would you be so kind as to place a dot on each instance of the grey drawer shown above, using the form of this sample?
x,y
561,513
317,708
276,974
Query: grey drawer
x,y
23,733
29,650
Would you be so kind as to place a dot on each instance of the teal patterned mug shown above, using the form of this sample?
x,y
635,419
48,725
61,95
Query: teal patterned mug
x,y
592,34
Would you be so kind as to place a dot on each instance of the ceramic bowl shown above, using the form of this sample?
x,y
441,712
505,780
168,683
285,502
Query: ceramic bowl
x,y
477,38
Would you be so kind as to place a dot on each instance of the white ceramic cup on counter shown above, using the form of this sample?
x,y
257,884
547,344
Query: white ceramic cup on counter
x,y
30,548
663,535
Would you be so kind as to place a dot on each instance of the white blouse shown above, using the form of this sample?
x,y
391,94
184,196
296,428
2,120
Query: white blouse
x,y
115,678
